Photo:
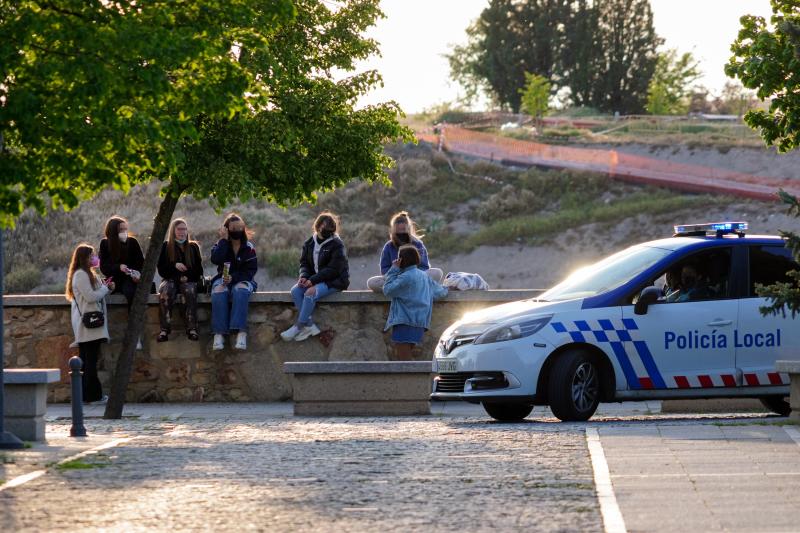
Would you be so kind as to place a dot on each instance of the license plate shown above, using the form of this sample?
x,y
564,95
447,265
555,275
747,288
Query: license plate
x,y
446,365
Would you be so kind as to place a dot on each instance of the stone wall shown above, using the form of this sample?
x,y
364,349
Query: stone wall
x,y
38,334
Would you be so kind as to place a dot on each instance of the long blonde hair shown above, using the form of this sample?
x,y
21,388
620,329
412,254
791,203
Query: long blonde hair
x,y
80,261
403,218
172,244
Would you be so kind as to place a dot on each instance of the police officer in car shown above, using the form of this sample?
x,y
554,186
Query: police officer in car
x,y
693,284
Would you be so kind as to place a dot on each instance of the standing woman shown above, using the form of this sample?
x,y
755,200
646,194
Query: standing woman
x,y
412,292
235,257
87,294
402,231
180,266
324,269
121,257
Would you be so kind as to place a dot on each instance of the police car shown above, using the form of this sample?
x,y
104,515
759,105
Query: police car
x,y
671,318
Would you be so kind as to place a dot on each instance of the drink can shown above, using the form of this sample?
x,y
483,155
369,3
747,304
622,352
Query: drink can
x,y
226,269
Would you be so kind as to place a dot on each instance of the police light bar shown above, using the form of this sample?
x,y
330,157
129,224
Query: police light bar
x,y
720,228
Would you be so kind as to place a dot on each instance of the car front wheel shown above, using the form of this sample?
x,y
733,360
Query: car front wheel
x,y
573,387
508,412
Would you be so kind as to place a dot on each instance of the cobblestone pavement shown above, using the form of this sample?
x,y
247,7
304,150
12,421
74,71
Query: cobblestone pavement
x,y
256,467
304,474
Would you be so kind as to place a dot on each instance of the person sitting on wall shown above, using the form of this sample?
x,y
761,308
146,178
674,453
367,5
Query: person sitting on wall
x,y
180,266
235,257
324,270
402,231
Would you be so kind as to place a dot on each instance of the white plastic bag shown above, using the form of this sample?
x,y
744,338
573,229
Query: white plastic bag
x,y
465,281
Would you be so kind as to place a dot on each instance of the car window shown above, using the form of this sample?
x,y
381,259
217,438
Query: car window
x,y
607,274
769,265
701,276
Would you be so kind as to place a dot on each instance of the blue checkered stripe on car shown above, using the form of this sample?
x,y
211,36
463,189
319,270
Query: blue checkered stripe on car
x,y
622,335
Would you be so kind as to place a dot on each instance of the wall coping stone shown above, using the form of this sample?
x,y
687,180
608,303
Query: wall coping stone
x,y
499,295
28,376
790,367
359,367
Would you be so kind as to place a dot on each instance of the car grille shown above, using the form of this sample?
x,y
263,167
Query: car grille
x,y
452,382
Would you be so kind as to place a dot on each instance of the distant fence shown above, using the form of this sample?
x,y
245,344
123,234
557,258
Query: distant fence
x,y
628,167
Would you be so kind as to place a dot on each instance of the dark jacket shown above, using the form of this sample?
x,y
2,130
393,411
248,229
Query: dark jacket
x,y
334,270
130,255
167,270
243,266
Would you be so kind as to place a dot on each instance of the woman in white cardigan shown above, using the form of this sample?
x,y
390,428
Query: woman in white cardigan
x,y
87,293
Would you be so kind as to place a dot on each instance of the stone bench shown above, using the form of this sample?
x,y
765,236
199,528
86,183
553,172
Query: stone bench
x,y
793,369
362,388
26,400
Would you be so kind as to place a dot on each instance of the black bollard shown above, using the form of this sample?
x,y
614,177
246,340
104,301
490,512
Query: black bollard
x,y
77,429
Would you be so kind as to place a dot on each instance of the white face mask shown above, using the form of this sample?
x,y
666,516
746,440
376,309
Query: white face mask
x,y
123,236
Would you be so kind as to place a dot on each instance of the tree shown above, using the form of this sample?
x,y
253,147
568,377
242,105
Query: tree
x,y
509,39
220,100
735,99
669,89
603,52
627,55
767,60
536,96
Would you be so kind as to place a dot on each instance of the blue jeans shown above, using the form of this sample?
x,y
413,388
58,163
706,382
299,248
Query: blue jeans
x,y
229,307
305,304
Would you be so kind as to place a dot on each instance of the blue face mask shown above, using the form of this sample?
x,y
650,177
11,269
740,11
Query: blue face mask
x,y
180,241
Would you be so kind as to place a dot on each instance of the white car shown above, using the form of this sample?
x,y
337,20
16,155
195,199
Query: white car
x,y
617,330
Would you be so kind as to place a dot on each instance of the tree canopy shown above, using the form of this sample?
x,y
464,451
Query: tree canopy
x,y
602,53
766,58
670,86
216,98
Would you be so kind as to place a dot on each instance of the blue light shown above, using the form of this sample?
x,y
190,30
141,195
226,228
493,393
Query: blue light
x,y
712,227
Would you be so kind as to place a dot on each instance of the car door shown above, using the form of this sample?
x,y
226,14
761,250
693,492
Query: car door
x,y
761,340
689,344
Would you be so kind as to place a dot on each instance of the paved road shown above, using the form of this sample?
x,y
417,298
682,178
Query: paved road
x,y
255,467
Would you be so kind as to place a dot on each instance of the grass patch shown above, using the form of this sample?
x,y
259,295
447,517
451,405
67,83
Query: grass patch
x,y
78,464
527,227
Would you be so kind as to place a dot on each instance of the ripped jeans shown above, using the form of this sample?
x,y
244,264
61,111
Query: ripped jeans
x,y
229,306
167,292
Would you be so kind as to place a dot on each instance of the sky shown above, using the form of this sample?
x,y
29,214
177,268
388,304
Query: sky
x,y
416,34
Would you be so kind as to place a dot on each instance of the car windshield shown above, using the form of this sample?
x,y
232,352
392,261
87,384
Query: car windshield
x,y
605,275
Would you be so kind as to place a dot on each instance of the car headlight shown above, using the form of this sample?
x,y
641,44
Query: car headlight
x,y
512,330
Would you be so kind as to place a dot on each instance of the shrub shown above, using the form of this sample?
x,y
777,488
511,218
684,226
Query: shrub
x,y
509,201
21,280
283,263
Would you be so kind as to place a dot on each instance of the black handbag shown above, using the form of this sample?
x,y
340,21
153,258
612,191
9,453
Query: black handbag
x,y
92,319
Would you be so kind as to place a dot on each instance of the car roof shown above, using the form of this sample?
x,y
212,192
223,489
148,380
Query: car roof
x,y
696,242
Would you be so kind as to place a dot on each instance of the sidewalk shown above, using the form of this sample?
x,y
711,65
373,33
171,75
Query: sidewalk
x,y
717,476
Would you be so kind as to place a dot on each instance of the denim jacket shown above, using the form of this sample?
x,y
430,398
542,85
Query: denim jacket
x,y
412,292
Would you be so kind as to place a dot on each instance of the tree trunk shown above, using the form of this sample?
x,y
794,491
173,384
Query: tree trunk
x,y
136,316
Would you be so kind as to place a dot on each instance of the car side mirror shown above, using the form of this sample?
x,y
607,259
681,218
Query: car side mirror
x,y
648,296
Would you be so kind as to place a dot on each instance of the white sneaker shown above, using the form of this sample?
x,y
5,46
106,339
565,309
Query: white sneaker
x,y
219,342
139,344
306,332
290,333
241,340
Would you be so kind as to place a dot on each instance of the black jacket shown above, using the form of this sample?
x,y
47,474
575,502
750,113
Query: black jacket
x,y
243,265
167,270
130,255
334,270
